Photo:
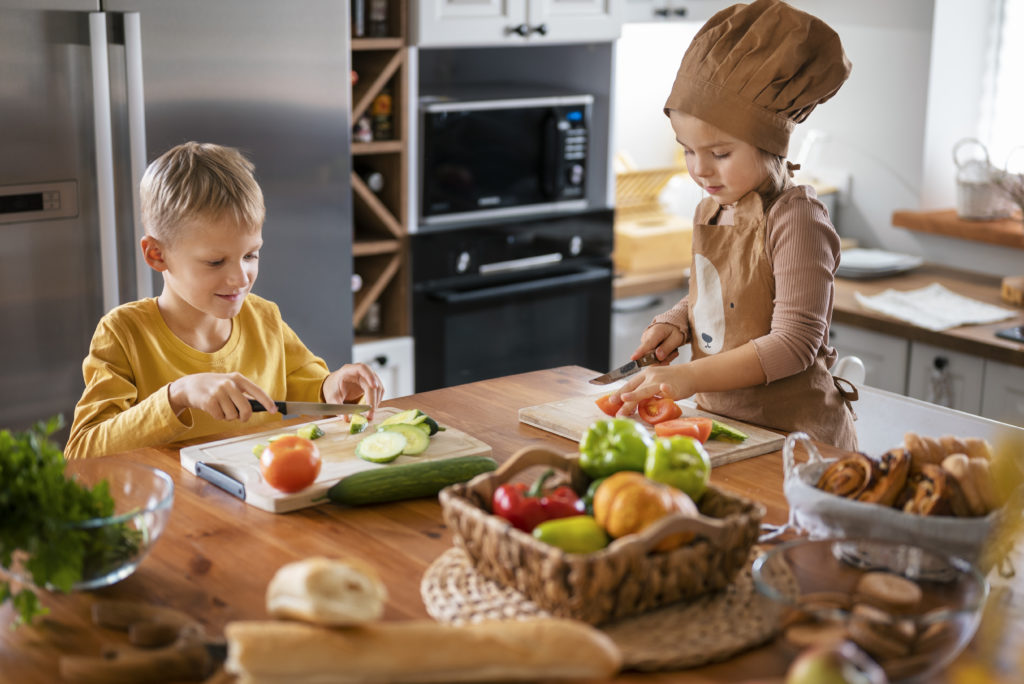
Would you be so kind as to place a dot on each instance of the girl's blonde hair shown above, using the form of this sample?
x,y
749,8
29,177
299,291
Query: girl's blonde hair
x,y
778,176
199,181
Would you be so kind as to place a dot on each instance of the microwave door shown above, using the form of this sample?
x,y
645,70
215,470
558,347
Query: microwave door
x,y
550,171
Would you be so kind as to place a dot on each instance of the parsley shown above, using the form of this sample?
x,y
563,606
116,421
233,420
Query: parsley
x,y
39,507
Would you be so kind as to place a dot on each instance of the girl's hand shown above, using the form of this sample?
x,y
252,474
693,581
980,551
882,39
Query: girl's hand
x,y
671,382
352,382
663,338
225,396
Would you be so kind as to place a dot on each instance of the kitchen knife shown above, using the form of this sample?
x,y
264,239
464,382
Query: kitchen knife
x,y
312,408
625,371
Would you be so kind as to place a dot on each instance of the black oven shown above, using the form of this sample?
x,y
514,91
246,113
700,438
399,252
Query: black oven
x,y
511,297
485,155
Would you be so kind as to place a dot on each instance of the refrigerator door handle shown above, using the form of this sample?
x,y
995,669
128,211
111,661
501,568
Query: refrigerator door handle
x,y
103,136
136,142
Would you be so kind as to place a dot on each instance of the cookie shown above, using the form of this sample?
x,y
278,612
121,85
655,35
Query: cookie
x,y
888,591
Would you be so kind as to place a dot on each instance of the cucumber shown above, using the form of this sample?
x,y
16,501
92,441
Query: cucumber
x,y
358,424
407,480
417,441
409,417
432,426
311,431
381,447
726,433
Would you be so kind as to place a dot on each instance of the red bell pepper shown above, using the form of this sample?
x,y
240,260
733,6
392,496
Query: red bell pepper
x,y
527,508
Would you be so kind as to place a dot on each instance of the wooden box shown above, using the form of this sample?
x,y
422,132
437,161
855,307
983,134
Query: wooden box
x,y
652,242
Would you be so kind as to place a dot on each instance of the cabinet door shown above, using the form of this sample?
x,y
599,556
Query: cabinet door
x,y
571,21
884,356
392,360
1002,397
443,23
963,377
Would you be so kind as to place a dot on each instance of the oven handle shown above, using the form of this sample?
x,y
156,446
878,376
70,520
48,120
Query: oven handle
x,y
588,276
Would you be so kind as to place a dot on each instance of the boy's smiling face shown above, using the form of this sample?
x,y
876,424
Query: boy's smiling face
x,y
211,267
726,167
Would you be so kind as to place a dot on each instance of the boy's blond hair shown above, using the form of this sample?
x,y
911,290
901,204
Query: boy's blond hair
x,y
196,181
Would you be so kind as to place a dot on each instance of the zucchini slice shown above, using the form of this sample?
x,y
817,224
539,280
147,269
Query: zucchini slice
x,y
381,447
409,417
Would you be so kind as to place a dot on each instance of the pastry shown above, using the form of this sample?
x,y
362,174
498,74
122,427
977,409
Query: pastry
x,y
932,493
958,465
848,477
889,477
923,450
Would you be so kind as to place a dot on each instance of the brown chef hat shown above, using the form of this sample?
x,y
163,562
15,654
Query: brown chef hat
x,y
754,71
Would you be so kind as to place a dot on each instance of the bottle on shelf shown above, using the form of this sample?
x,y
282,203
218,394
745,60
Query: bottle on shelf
x,y
358,18
378,18
373,179
382,115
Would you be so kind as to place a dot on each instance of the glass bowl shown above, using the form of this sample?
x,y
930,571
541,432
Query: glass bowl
x,y
913,610
143,497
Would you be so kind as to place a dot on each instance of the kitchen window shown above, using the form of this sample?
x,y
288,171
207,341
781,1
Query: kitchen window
x,y
1002,107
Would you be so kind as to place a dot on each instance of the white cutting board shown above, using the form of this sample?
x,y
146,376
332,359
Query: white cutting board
x,y
337,450
570,418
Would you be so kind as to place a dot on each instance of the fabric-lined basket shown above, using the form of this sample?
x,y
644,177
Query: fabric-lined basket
x,y
623,579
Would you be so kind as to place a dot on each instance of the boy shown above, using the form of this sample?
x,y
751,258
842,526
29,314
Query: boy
x,y
178,366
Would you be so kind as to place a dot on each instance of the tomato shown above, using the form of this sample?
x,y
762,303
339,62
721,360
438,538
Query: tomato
x,y
609,405
654,410
290,463
697,427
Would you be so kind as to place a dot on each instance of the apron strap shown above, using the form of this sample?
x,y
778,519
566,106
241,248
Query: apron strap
x,y
848,391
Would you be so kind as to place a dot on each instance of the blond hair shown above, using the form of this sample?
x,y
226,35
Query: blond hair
x,y
196,181
778,180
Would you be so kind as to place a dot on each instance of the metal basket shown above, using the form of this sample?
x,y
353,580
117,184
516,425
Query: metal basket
x,y
978,194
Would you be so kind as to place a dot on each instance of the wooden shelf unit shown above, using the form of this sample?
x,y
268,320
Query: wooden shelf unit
x,y
1005,232
380,242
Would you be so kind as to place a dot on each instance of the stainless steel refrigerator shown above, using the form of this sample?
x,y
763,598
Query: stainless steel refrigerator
x,y
90,92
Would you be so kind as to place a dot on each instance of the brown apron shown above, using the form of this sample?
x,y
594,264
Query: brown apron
x,y
732,294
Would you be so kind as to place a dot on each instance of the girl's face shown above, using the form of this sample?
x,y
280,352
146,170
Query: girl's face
x,y
726,167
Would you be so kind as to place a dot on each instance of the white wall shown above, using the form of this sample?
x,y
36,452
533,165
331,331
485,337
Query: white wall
x,y
912,93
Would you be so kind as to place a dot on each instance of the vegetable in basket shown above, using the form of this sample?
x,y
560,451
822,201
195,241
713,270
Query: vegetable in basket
x,y
613,444
680,462
576,534
527,508
627,502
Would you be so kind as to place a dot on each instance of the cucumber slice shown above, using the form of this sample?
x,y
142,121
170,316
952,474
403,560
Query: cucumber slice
x,y
409,417
381,447
310,431
431,424
358,424
417,440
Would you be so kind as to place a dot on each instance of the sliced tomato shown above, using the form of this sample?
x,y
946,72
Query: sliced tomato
x,y
608,404
290,463
654,410
697,427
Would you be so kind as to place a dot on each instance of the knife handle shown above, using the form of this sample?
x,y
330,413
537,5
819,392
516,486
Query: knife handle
x,y
257,406
648,359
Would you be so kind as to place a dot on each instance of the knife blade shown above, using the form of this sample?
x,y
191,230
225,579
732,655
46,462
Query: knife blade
x,y
311,408
626,370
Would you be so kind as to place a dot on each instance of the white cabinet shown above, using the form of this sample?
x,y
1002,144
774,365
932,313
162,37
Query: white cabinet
x,y
392,360
884,356
672,10
1003,395
454,23
935,371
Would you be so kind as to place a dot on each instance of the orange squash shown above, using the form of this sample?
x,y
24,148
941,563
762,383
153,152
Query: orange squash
x,y
627,502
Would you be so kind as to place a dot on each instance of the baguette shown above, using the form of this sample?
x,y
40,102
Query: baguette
x,y
419,651
326,591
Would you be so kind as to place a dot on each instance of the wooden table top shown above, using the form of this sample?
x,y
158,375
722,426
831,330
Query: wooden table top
x,y
217,554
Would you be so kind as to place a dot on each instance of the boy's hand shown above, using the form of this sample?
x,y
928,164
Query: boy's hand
x,y
225,396
352,382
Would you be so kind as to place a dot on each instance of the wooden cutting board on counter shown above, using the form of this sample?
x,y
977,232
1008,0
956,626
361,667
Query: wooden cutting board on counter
x,y
234,457
570,418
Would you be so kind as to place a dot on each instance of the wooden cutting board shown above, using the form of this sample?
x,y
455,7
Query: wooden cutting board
x,y
234,457
570,418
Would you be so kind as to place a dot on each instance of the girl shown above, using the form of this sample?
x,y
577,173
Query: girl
x,y
764,250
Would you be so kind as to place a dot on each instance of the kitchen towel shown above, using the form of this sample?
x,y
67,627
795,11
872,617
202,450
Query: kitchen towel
x,y
933,307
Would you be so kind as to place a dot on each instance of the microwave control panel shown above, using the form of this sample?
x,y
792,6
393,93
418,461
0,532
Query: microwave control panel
x,y
572,142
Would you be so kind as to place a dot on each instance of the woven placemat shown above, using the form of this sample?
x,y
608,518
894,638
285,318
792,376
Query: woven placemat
x,y
686,634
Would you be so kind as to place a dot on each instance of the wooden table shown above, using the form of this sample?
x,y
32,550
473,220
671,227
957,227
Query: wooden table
x,y
217,554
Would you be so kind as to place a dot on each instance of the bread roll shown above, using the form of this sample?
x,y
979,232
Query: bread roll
x,y
957,465
890,476
981,476
419,651
327,592
978,448
952,444
923,451
850,476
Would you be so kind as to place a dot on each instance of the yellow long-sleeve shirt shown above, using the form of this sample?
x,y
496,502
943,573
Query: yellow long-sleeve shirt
x,y
134,356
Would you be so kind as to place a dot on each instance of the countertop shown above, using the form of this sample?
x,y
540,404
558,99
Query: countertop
x,y
217,554
977,340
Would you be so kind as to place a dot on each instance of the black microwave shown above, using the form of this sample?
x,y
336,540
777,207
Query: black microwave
x,y
492,157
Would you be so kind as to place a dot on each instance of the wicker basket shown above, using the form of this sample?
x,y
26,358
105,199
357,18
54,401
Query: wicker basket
x,y
623,579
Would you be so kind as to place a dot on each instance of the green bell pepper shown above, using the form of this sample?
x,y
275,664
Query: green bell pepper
x,y
613,444
577,534
681,462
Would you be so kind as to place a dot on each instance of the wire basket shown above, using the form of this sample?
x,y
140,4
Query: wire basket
x,y
979,196
638,191
625,578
